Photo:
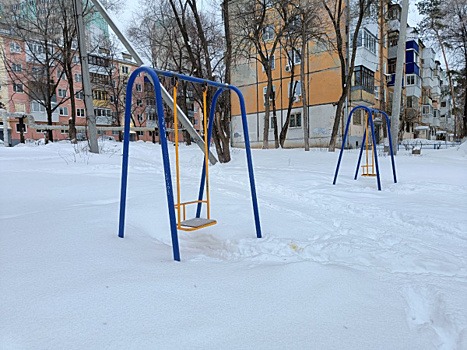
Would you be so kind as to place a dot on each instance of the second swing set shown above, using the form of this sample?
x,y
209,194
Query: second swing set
x,y
197,222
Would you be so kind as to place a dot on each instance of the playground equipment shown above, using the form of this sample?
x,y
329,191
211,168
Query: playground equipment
x,y
180,221
371,166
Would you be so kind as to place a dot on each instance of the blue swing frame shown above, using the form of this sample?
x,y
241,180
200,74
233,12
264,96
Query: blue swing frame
x,y
370,112
152,74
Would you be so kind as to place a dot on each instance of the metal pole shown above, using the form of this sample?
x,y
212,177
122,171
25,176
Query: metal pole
x,y
165,95
6,135
90,117
400,63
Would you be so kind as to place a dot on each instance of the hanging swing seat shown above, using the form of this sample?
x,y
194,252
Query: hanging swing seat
x,y
194,223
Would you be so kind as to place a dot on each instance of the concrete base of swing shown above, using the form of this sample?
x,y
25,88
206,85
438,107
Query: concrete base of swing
x,y
196,223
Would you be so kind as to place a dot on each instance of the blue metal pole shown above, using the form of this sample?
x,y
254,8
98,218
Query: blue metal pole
x,y
126,144
165,155
210,128
343,144
388,124
249,160
373,136
360,156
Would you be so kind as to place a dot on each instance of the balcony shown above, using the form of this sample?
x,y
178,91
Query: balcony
x,y
427,119
436,91
358,94
413,90
104,120
428,81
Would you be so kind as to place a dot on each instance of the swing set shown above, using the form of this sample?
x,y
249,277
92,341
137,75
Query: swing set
x,y
371,166
177,209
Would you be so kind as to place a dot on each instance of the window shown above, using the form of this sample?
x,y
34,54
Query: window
x,y
268,3
80,112
411,79
294,56
63,110
63,131
365,78
61,74
298,89
295,120
357,117
15,47
392,66
18,87
102,112
78,78
140,133
80,95
426,109
140,118
377,92
139,103
21,127
62,93
443,103
125,69
393,39
16,67
139,87
272,96
100,95
367,40
272,60
268,33
37,107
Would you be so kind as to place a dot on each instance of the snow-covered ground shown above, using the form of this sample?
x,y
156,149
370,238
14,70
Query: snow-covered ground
x,y
339,267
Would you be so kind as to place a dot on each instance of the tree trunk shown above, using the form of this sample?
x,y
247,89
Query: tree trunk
x,y
335,127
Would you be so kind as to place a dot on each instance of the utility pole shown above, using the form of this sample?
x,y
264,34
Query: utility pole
x,y
90,117
400,63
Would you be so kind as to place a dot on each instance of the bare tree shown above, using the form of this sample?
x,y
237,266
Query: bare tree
x,y
345,16
258,33
40,74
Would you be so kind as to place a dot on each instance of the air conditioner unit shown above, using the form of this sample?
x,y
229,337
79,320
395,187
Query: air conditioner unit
x,y
288,68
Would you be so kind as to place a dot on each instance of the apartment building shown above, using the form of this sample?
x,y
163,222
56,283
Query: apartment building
x,y
426,106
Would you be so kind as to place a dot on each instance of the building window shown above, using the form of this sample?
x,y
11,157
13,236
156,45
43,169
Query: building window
x,y
411,79
100,95
37,107
392,66
15,47
78,78
63,110
140,118
294,56
295,120
140,133
80,112
426,109
80,95
139,87
268,33
139,103
18,88
272,60
298,90
268,3
443,104
393,39
63,131
272,96
125,70
365,78
357,117
367,40
21,126
16,67
62,93
102,112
